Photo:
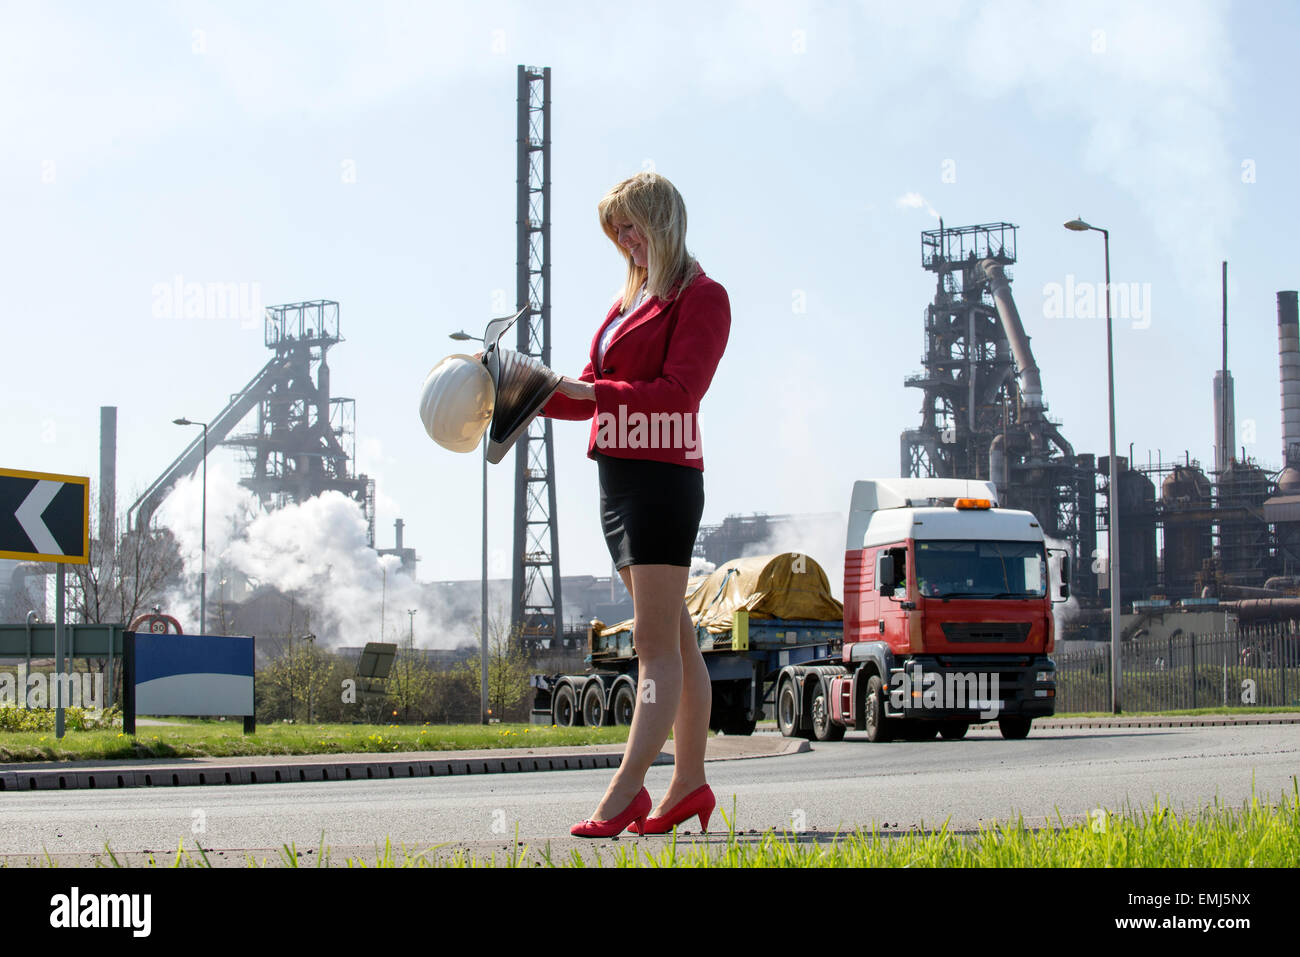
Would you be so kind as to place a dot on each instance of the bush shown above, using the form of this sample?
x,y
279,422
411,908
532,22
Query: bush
x,y
42,719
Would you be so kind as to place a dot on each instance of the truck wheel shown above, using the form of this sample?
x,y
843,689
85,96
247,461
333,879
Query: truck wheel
x,y
1014,727
787,710
564,710
879,727
918,730
824,727
624,704
593,706
953,730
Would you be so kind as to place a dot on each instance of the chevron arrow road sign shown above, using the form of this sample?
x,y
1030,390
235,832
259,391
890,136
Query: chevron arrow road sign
x,y
44,517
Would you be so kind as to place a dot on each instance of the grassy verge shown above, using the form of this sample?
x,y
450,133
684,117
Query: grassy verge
x,y
204,738
1257,834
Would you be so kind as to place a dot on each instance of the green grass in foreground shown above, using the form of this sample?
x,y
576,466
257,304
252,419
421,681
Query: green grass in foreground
x,y
1257,834
206,738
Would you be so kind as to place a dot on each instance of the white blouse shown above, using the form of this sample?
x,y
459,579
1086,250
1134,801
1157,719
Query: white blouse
x,y
614,324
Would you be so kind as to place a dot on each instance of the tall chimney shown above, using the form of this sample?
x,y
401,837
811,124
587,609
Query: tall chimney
x,y
398,526
1225,422
1288,347
108,476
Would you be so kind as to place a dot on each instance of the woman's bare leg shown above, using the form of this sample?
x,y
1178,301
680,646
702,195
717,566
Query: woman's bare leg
x,y
657,592
691,729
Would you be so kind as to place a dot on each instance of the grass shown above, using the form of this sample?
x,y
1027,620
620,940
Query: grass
x,y
1257,834
207,738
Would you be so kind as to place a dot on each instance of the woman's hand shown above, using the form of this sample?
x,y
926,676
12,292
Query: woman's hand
x,y
575,389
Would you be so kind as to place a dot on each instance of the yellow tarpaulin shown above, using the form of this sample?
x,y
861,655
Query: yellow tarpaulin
x,y
788,585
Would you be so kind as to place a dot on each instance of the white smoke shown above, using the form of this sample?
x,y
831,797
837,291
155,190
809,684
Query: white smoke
x,y
819,536
915,201
700,566
1063,612
315,552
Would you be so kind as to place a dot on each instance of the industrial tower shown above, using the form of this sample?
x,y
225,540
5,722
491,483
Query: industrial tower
x,y
536,608
983,415
303,441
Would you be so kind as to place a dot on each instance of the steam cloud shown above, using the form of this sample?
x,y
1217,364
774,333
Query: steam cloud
x,y
315,551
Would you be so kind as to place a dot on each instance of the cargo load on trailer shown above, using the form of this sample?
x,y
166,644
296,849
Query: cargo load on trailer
x,y
786,585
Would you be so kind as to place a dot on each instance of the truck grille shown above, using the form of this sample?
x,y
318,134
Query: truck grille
x,y
1009,631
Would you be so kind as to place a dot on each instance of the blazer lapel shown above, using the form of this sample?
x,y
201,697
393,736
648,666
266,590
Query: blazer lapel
x,y
646,314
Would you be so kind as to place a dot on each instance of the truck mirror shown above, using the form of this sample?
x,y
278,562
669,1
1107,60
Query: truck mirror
x,y
1065,577
885,574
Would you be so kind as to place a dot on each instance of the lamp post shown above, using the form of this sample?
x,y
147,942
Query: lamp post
x,y
1078,225
483,615
203,575
307,668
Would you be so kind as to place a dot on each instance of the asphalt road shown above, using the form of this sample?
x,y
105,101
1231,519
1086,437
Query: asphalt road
x,y
896,787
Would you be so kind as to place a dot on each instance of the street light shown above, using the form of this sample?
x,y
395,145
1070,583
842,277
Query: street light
x,y
483,616
1079,226
203,576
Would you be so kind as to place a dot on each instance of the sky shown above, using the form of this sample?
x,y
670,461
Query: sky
x,y
365,153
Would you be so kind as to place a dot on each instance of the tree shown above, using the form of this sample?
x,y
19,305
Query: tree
x,y
298,673
124,578
508,665
410,683
127,577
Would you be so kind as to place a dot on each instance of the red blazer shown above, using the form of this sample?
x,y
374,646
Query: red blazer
x,y
655,371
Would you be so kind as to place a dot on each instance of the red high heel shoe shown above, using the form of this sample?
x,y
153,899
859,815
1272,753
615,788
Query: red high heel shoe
x,y
634,814
700,801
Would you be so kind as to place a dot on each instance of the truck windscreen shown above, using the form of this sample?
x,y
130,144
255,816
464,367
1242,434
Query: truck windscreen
x,y
965,569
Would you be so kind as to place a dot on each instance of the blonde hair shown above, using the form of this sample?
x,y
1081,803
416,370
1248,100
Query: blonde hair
x,y
653,205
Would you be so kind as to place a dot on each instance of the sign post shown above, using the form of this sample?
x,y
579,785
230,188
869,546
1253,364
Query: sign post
x,y
46,518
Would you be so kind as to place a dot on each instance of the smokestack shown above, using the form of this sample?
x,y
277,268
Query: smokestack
x,y
1288,347
1225,422
108,476
398,525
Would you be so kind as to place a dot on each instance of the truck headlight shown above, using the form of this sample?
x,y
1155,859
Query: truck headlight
x,y
1045,676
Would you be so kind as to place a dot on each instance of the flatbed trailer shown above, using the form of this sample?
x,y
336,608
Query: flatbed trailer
x,y
743,662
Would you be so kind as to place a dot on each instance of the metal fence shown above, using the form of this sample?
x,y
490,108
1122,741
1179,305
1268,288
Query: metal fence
x,y
1256,668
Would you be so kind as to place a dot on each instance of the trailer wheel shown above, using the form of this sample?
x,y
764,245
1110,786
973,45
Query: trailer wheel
x,y
1014,726
624,704
823,728
787,710
564,710
738,724
953,730
593,706
879,727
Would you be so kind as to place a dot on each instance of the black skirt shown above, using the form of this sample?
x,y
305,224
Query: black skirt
x,y
650,511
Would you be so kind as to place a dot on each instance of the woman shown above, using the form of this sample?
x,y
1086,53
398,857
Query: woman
x,y
652,360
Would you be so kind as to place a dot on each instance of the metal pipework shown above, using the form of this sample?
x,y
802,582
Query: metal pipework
x,y
1031,386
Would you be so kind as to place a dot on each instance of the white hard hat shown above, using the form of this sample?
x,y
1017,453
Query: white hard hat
x,y
456,403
